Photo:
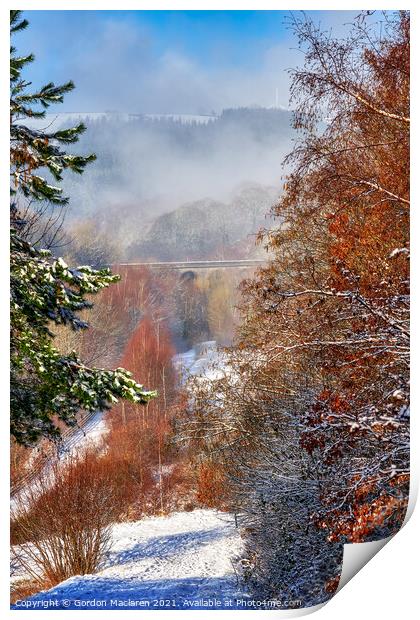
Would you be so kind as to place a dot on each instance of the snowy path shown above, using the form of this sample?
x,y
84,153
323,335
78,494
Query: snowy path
x,y
176,562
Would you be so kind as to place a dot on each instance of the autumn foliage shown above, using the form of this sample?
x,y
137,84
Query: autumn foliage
x,y
61,526
304,430
213,486
339,284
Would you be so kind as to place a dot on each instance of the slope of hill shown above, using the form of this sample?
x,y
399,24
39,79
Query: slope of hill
x,y
207,228
155,163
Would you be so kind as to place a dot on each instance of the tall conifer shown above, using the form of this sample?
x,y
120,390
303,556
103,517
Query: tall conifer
x,y
45,384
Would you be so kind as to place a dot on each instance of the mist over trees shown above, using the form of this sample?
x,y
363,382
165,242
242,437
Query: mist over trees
x,y
153,165
172,187
208,229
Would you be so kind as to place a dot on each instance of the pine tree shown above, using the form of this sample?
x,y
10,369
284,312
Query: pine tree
x,y
46,385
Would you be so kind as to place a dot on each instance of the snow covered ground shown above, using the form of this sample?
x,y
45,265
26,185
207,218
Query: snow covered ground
x,y
205,360
182,561
185,119
87,436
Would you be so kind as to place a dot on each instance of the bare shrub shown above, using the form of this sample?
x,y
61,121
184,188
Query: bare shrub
x,y
128,461
61,526
212,486
182,487
23,589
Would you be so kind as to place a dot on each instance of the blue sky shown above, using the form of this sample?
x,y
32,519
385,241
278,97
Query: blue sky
x,y
165,61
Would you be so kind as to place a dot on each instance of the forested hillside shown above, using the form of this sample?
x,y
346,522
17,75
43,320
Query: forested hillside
x,y
153,165
208,229
173,187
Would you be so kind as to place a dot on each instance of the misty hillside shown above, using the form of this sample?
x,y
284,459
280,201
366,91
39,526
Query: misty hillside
x,y
154,163
202,229
208,228
173,186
